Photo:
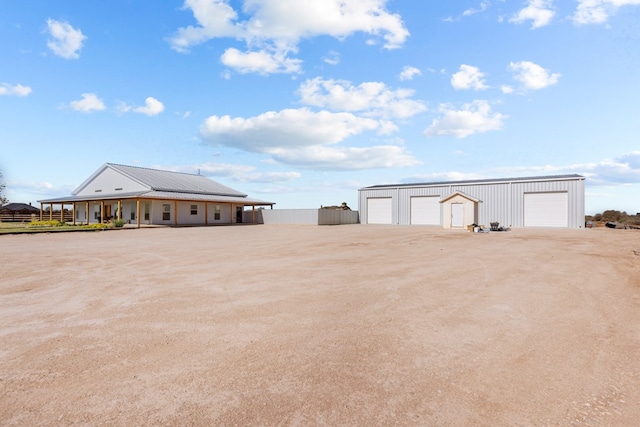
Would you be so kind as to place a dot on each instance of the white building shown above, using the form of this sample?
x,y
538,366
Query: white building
x,y
149,196
548,201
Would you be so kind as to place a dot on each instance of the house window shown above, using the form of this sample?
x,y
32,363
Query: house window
x,y
166,212
194,209
216,214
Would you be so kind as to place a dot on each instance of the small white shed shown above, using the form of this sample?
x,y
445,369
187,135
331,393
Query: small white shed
x,y
459,210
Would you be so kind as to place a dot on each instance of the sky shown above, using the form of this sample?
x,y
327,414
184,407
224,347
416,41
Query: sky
x,y
303,102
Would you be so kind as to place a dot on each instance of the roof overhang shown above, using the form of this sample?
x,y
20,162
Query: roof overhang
x,y
159,195
461,194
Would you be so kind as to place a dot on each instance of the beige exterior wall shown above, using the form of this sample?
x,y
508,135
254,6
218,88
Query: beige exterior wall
x,y
469,215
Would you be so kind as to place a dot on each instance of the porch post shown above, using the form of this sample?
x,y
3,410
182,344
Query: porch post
x,y
50,211
61,212
119,210
74,213
206,213
175,210
102,211
86,213
138,211
253,214
41,211
230,213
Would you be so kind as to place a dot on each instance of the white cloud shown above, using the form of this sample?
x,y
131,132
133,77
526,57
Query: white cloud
x,y
89,102
242,173
624,169
598,11
468,77
475,117
506,89
14,90
305,138
273,131
533,76
408,73
540,12
274,28
261,62
372,99
348,158
152,107
332,58
471,11
65,40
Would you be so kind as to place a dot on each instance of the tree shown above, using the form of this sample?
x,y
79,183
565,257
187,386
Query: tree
x,y
3,200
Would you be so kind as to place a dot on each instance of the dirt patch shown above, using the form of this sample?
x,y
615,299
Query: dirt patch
x,y
299,325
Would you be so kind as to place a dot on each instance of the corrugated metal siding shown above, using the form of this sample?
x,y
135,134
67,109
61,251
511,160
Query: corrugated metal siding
x,y
309,216
337,217
501,201
365,194
290,216
404,197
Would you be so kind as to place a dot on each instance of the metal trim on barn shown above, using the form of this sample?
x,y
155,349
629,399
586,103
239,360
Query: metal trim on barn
x,y
543,201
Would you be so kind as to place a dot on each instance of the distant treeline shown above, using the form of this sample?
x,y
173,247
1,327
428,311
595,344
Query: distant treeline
x,y
615,216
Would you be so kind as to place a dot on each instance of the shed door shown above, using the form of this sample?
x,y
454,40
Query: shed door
x,y
546,209
425,210
457,215
379,211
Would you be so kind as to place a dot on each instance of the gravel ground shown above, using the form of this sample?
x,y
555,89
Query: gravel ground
x,y
335,325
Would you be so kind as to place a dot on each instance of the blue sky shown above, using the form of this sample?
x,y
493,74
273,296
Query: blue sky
x,y
303,102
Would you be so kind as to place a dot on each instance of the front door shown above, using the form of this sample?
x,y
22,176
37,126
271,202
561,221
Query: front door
x,y
457,215
239,211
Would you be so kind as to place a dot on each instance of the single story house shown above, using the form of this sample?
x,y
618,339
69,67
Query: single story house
x,y
18,212
545,201
144,196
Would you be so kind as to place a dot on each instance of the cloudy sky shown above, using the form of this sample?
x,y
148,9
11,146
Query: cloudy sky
x,y
302,102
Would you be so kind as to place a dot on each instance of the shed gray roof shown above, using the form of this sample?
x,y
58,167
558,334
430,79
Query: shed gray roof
x,y
481,181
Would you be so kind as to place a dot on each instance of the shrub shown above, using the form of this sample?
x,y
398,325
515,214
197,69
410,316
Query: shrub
x,y
96,225
52,223
118,223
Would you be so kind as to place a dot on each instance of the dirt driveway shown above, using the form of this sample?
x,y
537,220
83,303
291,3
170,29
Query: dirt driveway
x,y
304,325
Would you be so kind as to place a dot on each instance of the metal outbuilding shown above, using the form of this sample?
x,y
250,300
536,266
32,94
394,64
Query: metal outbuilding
x,y
546,201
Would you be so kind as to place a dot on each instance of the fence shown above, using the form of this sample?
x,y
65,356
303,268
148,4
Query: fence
x,y
309,216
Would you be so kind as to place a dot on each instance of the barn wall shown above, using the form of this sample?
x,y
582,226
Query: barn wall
x,y
501,201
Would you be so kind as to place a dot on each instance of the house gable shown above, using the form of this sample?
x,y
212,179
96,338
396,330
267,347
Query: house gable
x,y
109,181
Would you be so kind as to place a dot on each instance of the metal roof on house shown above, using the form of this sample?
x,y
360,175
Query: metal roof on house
x,y
164,185
480,181
161,180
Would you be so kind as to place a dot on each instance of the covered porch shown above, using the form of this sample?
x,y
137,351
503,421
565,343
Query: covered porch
x,y
141,211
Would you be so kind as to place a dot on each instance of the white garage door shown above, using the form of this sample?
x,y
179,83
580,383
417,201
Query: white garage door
x,y
379,211
546,210
425,210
